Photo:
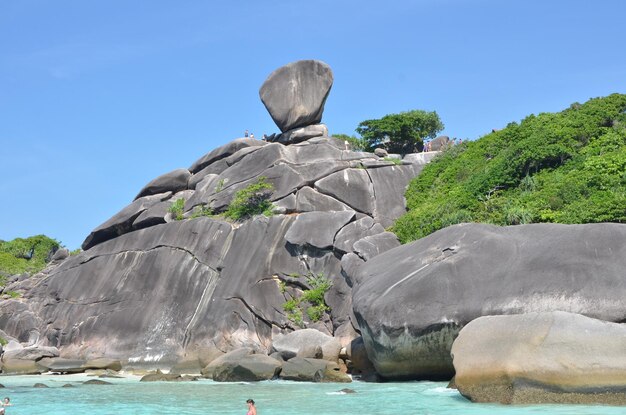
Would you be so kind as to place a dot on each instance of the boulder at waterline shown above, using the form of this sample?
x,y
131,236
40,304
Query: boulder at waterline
x,y
22,367
295,94
312,370
243,366
411,301
548,357
301,341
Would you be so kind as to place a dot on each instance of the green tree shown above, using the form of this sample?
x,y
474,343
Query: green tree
x,y
401,133
356,143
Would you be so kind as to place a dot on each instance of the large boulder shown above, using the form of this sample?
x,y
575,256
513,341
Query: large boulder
x,y
317,229
302,341
295,94
242,366
21,367
173,181
410,302
34,353
548,357
313,370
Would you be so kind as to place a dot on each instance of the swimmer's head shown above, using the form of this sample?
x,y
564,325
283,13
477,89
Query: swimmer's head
x,y
250,401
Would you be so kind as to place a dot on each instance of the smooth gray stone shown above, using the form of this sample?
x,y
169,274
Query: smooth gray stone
x,y
420,158
122,222
21,367
174,181
538,358
312,370
251,368
295,94
62,365
61,254
299,134
158,213
20,322
371,246
381,152
128,288
286,204
233,356
317,229
310,200
223,152
352,232
303,342
466,271
440,143
31,353
350,186
350,264
219,166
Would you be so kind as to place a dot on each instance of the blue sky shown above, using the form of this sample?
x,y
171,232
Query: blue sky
x,y
99,97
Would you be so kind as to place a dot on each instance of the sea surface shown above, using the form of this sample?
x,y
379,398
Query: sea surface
x,y
129,396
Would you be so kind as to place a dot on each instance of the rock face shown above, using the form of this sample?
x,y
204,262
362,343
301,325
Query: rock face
x,y
550,357
149,289
411,301
295,94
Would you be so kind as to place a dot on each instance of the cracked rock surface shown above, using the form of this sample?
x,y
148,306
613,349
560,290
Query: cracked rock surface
x,y
411,301
151,289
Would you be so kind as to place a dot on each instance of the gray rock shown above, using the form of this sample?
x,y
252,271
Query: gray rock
x,y
420,159
361,363
103,363
96,382
309,200
299,134
61,254
389,185
31,353
352,232
411,301
295,94
62,365
312,370
174,181
537,358
350,186
381,152
242,365
350,264
440,143
371,246
223,152
219,166
40,385
122,222
305,342
317,229
286,204
21,367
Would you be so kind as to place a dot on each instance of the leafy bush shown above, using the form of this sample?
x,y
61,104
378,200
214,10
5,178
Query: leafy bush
x,y
200,211
252,200
567,167
177,208
26,254
311,300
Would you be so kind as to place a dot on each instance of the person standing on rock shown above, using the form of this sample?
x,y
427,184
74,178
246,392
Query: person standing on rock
x,y
251,407
245,134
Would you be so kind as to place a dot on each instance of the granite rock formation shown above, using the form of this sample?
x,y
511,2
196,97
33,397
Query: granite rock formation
x,y
549,357
411,302
151,290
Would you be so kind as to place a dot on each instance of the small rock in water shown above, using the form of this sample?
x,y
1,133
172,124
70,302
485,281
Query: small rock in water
x,y
67,385
96,382
40,385
347,390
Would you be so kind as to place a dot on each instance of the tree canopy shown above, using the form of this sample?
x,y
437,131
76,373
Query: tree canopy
x,y
401,133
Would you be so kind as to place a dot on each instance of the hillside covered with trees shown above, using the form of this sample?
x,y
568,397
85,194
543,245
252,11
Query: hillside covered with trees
x,y
566,167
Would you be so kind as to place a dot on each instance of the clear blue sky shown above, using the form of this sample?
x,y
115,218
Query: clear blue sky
x,y
99,97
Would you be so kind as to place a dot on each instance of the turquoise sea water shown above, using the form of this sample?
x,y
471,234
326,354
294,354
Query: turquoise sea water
x,y
129,396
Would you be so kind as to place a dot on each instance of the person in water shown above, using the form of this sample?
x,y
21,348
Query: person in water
x,y
251,407
7,402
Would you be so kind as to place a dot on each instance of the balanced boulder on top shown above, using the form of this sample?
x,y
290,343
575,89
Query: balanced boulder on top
x,y
295,94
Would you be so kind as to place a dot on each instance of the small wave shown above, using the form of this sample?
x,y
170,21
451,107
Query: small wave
x,y
442,390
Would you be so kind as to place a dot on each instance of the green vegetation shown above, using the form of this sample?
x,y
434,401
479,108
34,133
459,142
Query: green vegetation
x,y
177,208
3,341
400,133
220,185
25,254
252,200
567,167
200,211
393,160
311,300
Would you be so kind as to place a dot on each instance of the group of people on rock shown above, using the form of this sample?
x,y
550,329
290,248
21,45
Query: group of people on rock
x,y
246,134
